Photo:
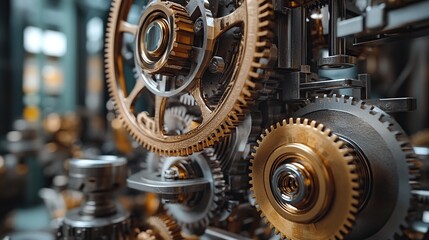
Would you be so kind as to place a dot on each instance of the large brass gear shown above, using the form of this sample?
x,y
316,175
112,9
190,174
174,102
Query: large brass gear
x,y
249,69
304,181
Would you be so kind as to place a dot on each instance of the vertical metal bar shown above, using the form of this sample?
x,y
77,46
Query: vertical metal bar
x,y
303,36
337,9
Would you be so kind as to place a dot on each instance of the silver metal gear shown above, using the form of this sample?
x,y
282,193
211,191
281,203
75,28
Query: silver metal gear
x,y
177,119
195,214
389,157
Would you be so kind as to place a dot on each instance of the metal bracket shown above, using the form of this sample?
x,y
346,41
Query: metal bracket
x,y
391,105
149,181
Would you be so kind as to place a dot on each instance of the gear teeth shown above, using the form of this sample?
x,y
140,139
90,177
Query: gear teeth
x,y
392,127
255,77
320,127
165,227
347,157
218,190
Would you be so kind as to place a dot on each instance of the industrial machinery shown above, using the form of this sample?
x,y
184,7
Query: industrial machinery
x,y
258,115
100,216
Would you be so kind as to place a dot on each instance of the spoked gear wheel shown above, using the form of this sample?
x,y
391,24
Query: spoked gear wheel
x,y
195,212
386,164
170,37
304,181
164,228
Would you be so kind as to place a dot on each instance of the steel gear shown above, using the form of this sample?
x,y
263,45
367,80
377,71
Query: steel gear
x,y
387,166
164,228
196,211
304,181
249,71
177,120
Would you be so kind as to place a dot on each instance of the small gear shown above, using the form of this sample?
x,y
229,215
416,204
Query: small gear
x,y
157,55
164,228
177,121
386,165
195,213
304,181
188,100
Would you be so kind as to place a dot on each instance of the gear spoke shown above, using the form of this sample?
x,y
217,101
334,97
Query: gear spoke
x,y
225,23
125,26
159,113
198,96
174,52
137,89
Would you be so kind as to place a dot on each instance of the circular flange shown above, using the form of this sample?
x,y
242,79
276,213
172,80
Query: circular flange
x,y
304,181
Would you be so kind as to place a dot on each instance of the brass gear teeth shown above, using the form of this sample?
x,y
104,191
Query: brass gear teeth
x,y
386,122
165,227
348,159
179,58
233,111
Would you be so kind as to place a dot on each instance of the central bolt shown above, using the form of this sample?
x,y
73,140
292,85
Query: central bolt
x,y
171,173
291,184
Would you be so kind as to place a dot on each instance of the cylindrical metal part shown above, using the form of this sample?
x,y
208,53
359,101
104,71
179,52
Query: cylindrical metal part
x,y
292,39
100,216
337,10
303,36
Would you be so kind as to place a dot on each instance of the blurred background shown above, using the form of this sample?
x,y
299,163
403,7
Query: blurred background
x,y
54,104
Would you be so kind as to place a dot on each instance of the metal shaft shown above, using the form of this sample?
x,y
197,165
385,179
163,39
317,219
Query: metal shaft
x,y
337,9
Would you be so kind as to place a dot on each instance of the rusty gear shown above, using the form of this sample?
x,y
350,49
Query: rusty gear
x,y
304,181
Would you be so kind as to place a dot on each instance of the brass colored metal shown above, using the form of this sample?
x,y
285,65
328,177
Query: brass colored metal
x,y
250,69
158,51
164,228
304,181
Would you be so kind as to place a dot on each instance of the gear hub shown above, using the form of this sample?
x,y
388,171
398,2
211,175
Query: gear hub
x,y
164,39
